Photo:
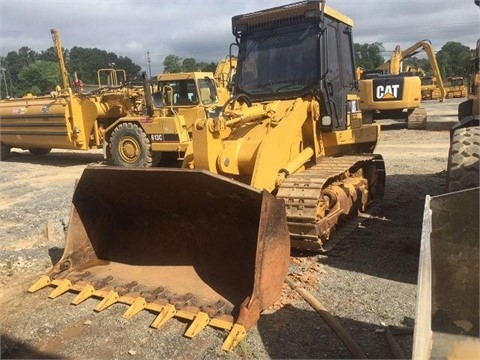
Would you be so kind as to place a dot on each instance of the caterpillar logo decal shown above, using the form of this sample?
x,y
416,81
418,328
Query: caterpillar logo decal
x,y
388,89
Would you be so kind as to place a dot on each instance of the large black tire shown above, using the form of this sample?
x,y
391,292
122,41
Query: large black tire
x,y
40,151
465,109
4,151
463,159
130,147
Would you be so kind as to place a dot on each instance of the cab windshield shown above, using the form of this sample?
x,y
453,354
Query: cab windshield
x,y
185,92
274,65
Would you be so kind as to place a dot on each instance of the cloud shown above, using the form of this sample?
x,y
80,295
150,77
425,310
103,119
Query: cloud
x,y
202,28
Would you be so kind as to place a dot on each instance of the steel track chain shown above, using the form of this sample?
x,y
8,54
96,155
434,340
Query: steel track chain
x,y
301,192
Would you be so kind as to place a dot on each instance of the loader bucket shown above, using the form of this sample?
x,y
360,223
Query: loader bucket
x,y
447,315
178,243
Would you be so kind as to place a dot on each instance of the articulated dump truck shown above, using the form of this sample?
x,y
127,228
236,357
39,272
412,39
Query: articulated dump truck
x,y
286,162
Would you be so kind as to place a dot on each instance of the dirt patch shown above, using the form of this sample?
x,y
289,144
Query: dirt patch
x,y
367,282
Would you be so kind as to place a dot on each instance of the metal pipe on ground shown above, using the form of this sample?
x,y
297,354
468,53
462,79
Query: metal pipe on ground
x,y
346,338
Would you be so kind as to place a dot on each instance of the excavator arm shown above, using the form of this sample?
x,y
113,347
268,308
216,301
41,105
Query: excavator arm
x,y
427,47
394,65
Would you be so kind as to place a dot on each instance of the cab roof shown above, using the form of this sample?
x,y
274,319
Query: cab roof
x,y
287,14
184,76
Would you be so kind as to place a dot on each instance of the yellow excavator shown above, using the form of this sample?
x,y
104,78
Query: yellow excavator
x,y
225,72
389,93
287,161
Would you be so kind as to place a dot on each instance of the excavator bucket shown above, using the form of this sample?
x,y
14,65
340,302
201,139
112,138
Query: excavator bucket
x,y
175,242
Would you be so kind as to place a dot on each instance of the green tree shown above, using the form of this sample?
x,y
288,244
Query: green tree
x,y
172,64
208,67
175,64
39,77
133,70
189,65
368,56
51,54
16,61
453,59
86,62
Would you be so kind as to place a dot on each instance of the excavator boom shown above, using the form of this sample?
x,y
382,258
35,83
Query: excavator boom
x,y
426,45
394,65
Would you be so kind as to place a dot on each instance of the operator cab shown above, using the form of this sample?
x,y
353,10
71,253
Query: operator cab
x,y
308,52
189,91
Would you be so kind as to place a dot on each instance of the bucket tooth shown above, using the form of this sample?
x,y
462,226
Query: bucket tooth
x,y
199,323
62,287
154,307
83,295
44,281
167,312
138,305
109,299
224,322
237,334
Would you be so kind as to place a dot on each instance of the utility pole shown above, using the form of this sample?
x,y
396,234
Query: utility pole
x,y
3,82
149,70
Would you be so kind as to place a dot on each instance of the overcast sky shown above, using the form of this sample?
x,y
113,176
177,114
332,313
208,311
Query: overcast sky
x,y
201,29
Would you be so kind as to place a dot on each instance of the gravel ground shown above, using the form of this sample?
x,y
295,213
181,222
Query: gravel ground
x,y
367,282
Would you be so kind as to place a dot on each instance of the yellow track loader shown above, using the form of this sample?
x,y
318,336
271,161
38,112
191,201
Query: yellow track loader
x,y
286,162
